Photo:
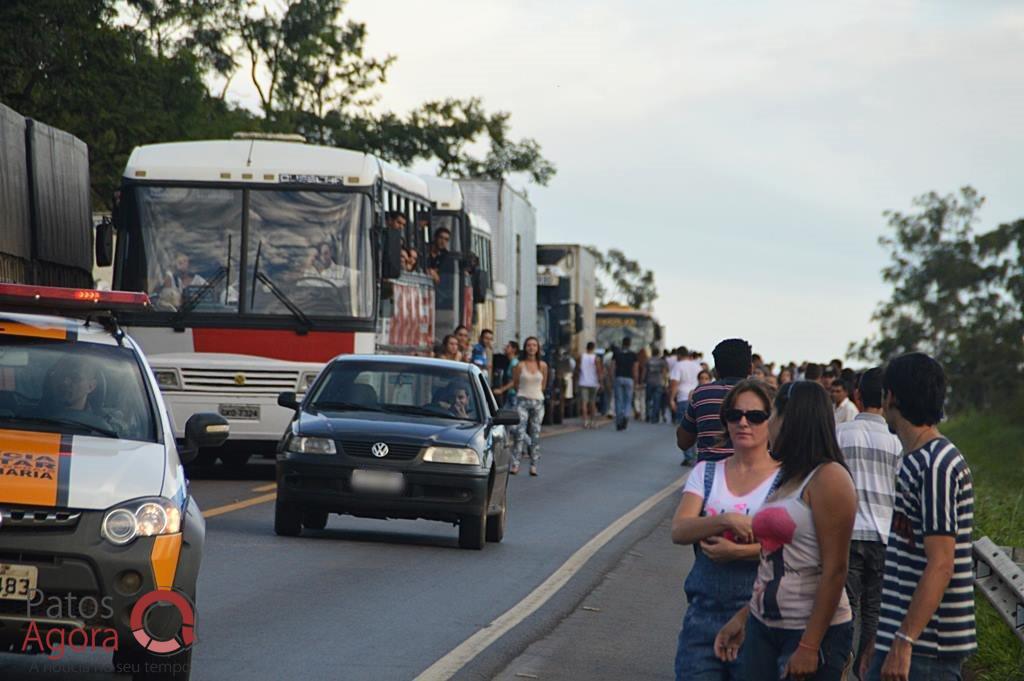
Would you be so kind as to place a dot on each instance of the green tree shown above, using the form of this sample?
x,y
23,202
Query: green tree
x,y
624,280
956,295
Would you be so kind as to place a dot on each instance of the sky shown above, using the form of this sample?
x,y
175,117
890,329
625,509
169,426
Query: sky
x,y
743,151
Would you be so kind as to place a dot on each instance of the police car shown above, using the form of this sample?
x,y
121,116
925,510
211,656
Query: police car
x,y
100,541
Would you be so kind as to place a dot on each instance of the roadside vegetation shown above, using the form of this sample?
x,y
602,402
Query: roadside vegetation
x,y
993,442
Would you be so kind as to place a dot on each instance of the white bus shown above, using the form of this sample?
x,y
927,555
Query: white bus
x,y
263,259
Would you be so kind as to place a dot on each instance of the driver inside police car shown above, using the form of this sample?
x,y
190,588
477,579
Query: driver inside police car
x,y
72,385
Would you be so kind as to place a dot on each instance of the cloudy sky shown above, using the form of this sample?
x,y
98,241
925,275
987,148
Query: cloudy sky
x,y
744,151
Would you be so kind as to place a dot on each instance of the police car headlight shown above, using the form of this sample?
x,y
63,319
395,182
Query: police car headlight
x,y
140,518
461,455
306,380
168,379
310,445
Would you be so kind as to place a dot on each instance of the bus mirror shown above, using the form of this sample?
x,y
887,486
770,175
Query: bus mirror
x,y
105,243
479,286
391,268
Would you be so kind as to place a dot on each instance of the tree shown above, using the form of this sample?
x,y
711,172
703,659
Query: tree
x,y
626,280
956,295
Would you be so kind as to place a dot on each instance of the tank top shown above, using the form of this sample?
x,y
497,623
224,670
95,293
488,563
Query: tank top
x,y
789,573
588,370
530,384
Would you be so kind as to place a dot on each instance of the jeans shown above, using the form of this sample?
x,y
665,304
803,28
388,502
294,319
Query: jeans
x,y
922,667
766,651
654,393
623,398
714,592
681,406
864,587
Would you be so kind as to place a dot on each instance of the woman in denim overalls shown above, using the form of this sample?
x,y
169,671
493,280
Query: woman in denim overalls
x,y
715,516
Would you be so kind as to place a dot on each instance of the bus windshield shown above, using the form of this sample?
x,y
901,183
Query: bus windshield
x,y
309,249
612,329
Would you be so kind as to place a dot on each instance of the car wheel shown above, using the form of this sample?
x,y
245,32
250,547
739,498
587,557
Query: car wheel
x,y
287,519
472,530
496,523
314,520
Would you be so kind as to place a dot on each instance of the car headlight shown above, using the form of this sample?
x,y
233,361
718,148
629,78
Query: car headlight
x,y
168,379
310,445
140,518
462,455
306,380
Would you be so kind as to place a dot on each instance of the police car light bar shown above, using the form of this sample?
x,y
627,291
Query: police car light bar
x,y
71,299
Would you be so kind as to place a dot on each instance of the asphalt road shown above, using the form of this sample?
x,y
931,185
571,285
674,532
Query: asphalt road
x,y
374,599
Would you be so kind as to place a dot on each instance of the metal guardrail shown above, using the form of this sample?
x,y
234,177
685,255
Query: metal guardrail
x,y
1002,581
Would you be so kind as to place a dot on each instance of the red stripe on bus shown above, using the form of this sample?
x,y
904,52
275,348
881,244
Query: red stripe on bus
x,y
315,346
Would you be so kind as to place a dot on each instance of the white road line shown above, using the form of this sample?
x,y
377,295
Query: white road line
x,y
458,658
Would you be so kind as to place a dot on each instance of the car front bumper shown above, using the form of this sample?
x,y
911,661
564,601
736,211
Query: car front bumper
x,y
432,491
86,582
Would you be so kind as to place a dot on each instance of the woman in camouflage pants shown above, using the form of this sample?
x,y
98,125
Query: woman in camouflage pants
x,y
530,377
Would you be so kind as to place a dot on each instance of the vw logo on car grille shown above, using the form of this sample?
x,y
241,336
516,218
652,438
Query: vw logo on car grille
x,y
379,450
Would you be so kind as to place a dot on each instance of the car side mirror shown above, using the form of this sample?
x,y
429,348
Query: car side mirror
x,y
105,243
506,417
391,268
203,430
288,400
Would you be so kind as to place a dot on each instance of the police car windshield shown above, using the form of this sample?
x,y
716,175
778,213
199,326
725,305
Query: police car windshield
x,y
76,388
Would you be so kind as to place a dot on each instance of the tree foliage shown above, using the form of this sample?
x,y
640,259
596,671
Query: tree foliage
x,y
957,295
622,280
119,73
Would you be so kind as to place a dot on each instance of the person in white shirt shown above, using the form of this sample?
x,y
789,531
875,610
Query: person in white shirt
x,y
590,374
682,382
845,409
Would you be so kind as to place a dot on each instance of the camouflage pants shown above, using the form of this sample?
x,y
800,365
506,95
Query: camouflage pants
x,y
531,413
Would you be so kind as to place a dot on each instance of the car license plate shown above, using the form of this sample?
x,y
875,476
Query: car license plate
x,y
240,412
390,482
18,582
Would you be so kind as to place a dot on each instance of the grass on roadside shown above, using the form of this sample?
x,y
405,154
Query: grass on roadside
x,y
993,444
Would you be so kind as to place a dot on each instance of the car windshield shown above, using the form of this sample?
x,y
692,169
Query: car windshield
x,y
417,390
75,388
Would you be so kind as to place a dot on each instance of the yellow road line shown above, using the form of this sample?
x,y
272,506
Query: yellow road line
x,y
458,658
239,505
265,488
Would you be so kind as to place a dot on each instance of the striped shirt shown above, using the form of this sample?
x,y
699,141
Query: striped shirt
x,y
702,419
873,456
934,496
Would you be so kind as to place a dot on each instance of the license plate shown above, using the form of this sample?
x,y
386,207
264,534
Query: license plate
x,y
240,412
391,482
18,582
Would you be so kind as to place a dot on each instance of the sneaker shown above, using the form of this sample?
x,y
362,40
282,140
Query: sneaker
x,y
514,470
533,470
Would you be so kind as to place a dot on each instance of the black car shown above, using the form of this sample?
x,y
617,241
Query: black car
x,y
396,437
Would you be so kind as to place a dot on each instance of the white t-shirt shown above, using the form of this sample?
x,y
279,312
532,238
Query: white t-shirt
x,y
722,500
685,371
845,412
588,370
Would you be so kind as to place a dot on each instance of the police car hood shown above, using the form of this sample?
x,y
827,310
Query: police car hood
x,y
78,471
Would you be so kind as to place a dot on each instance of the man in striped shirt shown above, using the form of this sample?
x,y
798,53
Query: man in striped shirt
x,y
926,626
872,454
702,423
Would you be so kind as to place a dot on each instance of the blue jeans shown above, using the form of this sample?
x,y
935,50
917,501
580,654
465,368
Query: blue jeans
x,y
766,651
922,667
654,393
623,398
681,406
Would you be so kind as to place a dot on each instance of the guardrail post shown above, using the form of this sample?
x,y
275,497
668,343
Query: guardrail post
x,y
1002,582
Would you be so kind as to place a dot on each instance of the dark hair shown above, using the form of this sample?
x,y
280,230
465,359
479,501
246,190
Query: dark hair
x,y
807,437
527,342
445,230
485,331
812,372
870,388
655,351
843,383
515,345
626,342
394,215
918,383
732,358
828,373
591,345
460,327
703,371
837,363
444,343
750,385
849,375
681,350
756,358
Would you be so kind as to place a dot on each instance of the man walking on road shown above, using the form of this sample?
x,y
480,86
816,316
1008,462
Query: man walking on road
x,y
873,455
626,374
926,626
701,423
590,374
655,371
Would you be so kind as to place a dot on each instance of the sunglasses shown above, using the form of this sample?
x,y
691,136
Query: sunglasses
x,y
754,417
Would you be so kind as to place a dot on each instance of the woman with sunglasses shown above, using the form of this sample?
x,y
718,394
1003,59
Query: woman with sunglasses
x,y
714,515
801,626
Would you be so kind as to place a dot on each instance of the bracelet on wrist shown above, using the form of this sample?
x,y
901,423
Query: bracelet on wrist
x,y
904,637
801,644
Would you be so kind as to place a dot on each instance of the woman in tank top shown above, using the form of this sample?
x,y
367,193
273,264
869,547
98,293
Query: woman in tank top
x,y
801,626
716,510
529,378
